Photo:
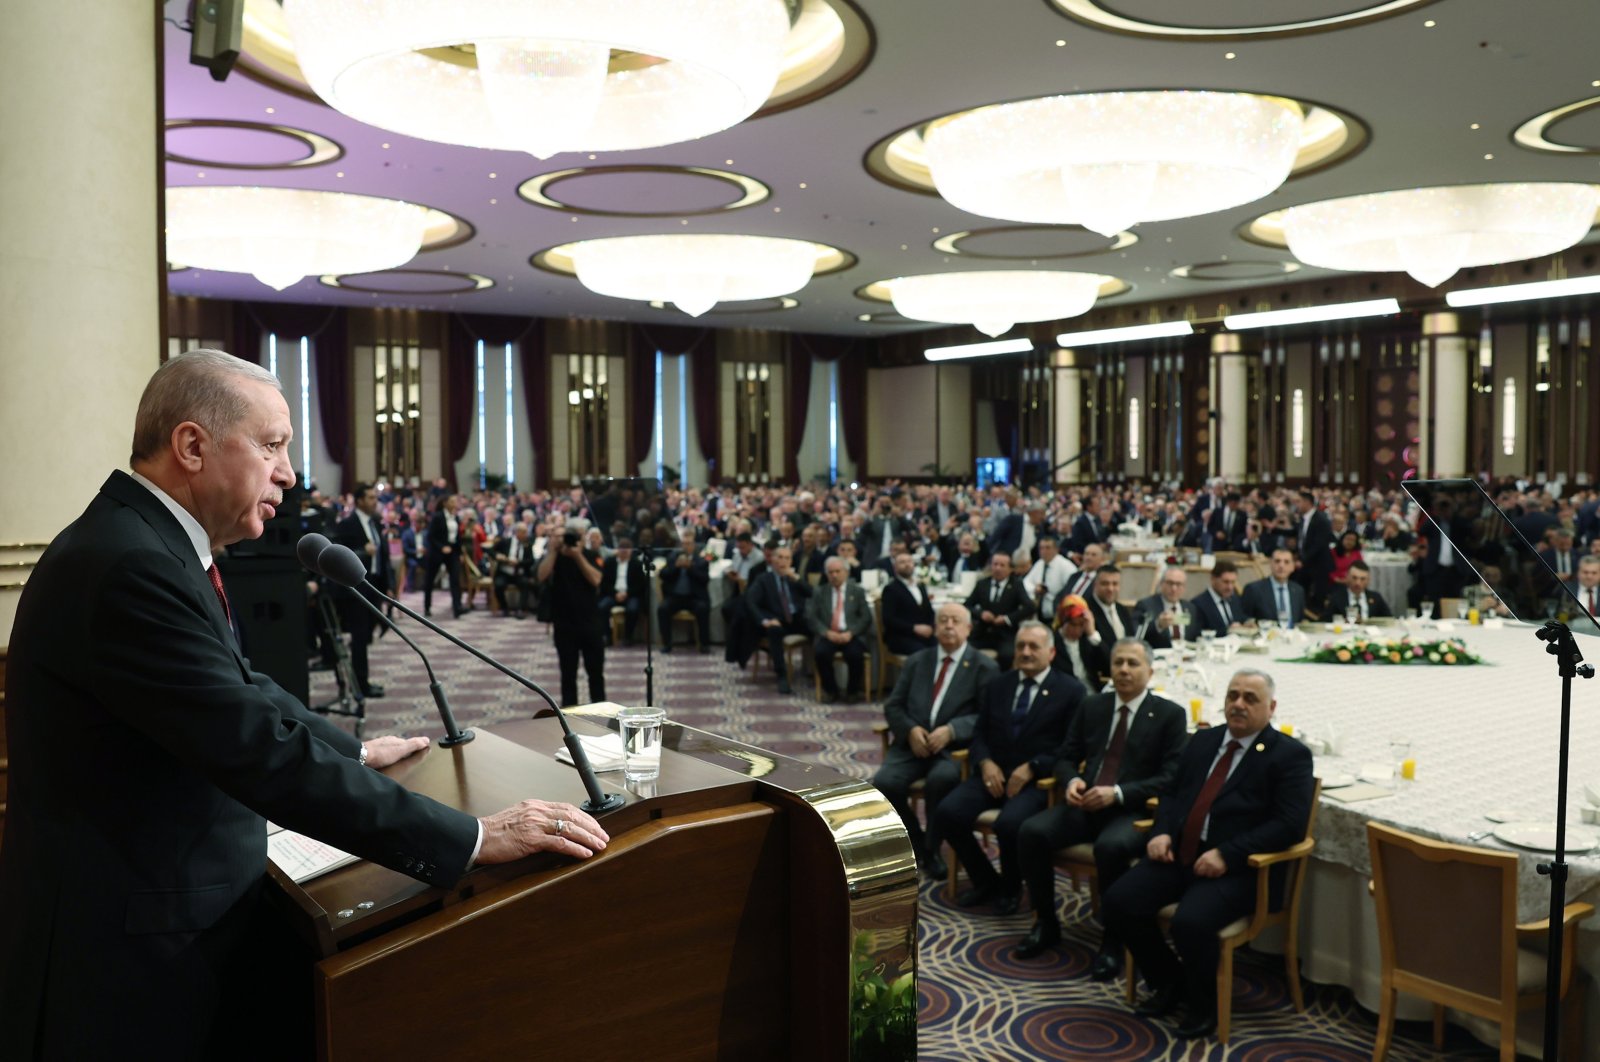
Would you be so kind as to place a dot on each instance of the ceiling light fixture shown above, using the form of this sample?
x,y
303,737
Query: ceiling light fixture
x,y
979,350
993,301
694,271
280,235
1095,337
1108,160
1542,289
1342,311
1433,232
543,76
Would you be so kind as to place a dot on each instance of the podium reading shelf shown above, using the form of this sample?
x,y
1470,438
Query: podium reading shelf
x,y
749,906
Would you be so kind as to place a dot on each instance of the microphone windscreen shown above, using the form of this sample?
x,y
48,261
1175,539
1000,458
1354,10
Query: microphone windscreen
x,y
340,564
309,549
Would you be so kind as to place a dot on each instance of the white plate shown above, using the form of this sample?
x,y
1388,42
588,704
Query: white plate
x,y
1338,781
1542,838
1500,816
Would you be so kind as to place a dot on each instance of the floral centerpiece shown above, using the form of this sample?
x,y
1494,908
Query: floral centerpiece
x,y
929,575
1358,650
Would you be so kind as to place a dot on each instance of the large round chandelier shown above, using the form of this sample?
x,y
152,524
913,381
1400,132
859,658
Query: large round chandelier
x,y
994,300
543,76
1432,232
694,271
282,234
1107,160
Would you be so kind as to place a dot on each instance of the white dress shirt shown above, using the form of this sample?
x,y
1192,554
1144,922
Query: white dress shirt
x,y
949,679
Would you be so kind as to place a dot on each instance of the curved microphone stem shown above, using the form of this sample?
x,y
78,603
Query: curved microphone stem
x,y
453,734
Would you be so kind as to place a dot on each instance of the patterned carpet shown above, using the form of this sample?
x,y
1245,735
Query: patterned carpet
x,y
978,1004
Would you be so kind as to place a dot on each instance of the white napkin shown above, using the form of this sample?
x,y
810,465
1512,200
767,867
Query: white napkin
x,y
604,752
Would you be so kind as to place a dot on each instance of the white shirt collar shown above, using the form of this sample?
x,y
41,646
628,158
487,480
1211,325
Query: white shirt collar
x,y
1133,705
191,527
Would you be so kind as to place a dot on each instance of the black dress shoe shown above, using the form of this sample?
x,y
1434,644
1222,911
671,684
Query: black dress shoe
x,y
374,690
1161,1002
974,897
1007,904
1106,967
1199,1025
1040,939
667,648
935,868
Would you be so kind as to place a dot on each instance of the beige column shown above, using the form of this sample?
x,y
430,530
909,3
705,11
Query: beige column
x,y
1067,416
80,280
1230,406
1445,384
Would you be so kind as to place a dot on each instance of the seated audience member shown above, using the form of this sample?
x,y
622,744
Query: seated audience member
x,y
1588,588
744,557
1095,555
622,582
846,552
1354,595
840,621
1240,790
932,710
1218,608
1277,597
777,600
685,587
1156,617
998,605
1346,552
808,561
1128,742
513,572
907,610
1079,651
967,557
1396,537
1022,720
1112,619
1562,559
1047,579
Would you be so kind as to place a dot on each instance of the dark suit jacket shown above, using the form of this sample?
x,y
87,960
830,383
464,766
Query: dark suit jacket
x,y
1096,658
766,602
1103,626
1316,545
1339,602
348,532
146,755
1145,614
699,577
1007,536
1013,603
1205,616
438,529
1084,531
1054,703
1222,538
901,612
857,610
869,541
1264,805
607,590
912,698
977,562
1157,734
1260,601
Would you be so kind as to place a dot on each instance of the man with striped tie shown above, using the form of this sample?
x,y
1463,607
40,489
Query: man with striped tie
x,y
1588,588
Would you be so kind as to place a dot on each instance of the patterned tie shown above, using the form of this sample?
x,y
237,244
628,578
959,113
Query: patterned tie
x,y
1019,713
1113,758
1189,847
838,610
938,684
1283,604
1591,601
783,598
222,595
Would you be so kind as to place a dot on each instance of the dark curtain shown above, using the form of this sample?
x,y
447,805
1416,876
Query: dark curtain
x,y
333,392
535,364
253,320
460,372
851,356
495,330
245,342
1005,428
642,394
701,346
796,408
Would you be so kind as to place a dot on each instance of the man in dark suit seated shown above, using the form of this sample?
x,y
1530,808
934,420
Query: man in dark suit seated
x,y
907,610
514,566
1242,789
932,710
362,531
840,620
685,587
148,754
1355,595
1128,743
777,600
999,604
622,582
1217,609
1156,617
966,556
1277,596
1022,720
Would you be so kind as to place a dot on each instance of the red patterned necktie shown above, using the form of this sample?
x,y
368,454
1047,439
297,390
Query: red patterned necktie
x,y
1189,847
222,595
938,683
1112,763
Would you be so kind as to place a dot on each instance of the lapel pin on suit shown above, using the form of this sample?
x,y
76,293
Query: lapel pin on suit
x,y
1261,746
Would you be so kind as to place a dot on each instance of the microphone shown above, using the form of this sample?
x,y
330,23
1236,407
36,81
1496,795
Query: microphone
x,y
340,564
310,550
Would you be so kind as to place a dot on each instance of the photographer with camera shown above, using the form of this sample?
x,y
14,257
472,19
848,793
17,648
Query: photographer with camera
x,y
570,575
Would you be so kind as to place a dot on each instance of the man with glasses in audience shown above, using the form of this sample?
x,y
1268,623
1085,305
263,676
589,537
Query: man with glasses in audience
x,y
1156,618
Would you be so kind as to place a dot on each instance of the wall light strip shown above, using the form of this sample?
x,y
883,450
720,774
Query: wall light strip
x,y
1125,335
978,350
1542,289
1342,311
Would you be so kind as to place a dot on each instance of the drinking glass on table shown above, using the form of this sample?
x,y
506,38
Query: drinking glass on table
x,y
1399,751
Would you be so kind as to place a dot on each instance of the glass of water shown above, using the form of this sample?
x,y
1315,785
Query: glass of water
x,y
641,742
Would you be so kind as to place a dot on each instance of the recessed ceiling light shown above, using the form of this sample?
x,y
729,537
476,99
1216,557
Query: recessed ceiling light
x,y
339,174
272,110
386,147
1594,84
1231,55
492,176
1488,155
1430,24
863,317
1061,44
775,210
1475,125
492,202
727,162
802,184
202,173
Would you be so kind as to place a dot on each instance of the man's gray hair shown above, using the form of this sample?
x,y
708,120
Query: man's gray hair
x,y
1033,624
197,385
1140,643
1266,679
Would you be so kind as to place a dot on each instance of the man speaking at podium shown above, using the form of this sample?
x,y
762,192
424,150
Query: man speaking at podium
x,y
145,753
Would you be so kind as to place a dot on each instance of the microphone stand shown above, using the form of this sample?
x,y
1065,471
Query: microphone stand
x,y
647,565
1564,648
453,735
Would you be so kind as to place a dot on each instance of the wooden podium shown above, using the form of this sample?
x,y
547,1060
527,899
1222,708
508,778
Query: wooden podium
x,y
747,907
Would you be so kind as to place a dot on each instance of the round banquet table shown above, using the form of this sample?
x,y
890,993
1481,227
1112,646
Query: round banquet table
x,y
1485,740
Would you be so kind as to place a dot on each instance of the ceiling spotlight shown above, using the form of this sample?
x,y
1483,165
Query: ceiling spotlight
x,y
543,76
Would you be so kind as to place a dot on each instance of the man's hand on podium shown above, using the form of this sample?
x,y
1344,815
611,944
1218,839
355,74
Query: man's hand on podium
x,y
539,826
389,749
